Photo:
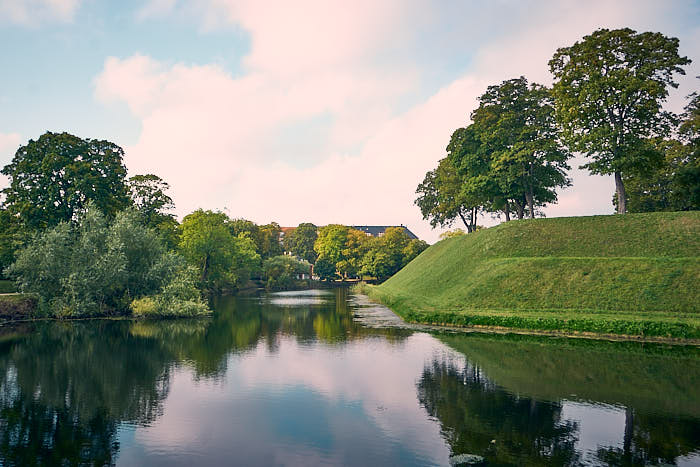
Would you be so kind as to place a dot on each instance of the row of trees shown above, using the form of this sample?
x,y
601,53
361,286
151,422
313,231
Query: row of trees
x,y
89,240
347,252
606,103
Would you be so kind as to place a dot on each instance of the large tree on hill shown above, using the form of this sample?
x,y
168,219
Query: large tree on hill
x,y
442,198
516,127
609,89
675,184
53,178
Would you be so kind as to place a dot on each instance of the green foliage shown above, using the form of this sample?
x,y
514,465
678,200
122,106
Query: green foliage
x,y
12,237
442,198
675,184
179,298
510,157
148,193
632,274
7,286
53,179
270,240
91,267
357,243
300,242
224,261
391,252
609,90
149,197
282,272
325,269
515,125
329,246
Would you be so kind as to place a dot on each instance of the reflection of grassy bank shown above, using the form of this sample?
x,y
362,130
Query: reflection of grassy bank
x,y
647,377
631,275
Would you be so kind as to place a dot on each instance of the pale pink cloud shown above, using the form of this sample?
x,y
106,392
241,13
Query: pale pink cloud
x,y
220,140
34,12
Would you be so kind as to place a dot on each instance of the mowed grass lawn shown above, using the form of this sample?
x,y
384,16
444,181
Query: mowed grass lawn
x,y
636,274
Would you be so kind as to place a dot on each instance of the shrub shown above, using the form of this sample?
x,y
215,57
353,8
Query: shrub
x,y
178,298
89,267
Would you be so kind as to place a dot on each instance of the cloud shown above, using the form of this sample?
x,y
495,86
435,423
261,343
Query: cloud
x,y
329,121
33,12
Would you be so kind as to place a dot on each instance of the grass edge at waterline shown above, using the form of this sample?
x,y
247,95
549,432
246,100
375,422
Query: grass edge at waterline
x,y
634,275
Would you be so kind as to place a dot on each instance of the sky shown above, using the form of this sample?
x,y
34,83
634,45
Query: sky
x,y
316,111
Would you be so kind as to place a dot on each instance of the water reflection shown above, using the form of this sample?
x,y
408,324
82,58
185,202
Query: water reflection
x,y
598,403
293,379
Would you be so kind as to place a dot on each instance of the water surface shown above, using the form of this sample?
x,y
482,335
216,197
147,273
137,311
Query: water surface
x,y
324,378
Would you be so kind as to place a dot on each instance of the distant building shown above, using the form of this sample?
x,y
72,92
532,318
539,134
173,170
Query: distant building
x,y
378,230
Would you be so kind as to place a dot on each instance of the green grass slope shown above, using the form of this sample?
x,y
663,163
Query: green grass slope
x,y
636,274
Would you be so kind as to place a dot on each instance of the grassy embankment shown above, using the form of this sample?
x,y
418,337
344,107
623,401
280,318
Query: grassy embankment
x,y
635,275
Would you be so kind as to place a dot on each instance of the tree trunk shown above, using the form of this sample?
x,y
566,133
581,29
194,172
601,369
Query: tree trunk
x,y
629,433
621,195
530,197
466,223
520,209
473,219
205,268
507,211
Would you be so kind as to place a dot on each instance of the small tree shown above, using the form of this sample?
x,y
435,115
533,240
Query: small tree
x,y
609,89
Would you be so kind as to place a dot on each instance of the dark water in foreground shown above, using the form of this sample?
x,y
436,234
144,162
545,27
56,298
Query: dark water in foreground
x,y
293,379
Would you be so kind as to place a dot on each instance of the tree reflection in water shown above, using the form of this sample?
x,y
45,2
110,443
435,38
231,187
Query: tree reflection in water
x,y
512,389
66,386
479,418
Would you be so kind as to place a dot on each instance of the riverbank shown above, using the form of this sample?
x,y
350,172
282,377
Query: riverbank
x,y
632,275
15,306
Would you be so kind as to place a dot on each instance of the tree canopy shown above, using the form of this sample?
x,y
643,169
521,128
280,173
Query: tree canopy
x,y
515,125
53,178
223,260
675,184
300,242
609,89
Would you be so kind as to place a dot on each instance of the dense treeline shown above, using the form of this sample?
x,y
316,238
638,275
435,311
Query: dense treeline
x,y
87,240
606,103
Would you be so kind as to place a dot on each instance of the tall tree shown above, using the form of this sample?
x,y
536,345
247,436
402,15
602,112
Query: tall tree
x,y
270,240
516,126
609,90
53,178
675,184
331,242
300,242
149,195
223,260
